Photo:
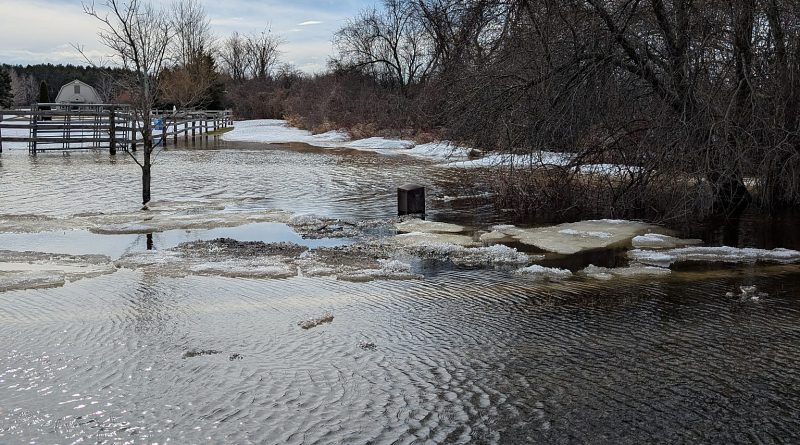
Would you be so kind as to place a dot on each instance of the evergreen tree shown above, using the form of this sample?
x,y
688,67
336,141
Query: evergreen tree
x,y
6,96
44,93
44,97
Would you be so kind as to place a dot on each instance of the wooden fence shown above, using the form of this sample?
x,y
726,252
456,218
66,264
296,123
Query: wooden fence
x,y
62,127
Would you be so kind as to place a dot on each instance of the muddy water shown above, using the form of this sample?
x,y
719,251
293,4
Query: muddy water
x,y
463,356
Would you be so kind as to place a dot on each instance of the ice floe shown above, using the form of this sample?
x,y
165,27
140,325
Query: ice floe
x,y
635,270
389,270
31,270
422,239
313,322
424,226
570,238
222,257
724,254
496,255
659,241
541,273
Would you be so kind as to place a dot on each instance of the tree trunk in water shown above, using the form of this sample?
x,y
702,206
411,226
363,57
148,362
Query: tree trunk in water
x,y
732,196
146,164
145,184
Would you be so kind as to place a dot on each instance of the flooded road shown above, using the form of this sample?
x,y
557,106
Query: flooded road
x,y
464,355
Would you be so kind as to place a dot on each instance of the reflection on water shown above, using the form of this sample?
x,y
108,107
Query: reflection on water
x,y
464,356
82,242
318,181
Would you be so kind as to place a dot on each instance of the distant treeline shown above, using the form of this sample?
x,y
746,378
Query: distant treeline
x,y
26,79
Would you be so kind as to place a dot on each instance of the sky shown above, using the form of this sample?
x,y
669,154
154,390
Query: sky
x,y
45,31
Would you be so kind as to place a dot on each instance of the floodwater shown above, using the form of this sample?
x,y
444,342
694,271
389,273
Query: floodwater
x,y
466,355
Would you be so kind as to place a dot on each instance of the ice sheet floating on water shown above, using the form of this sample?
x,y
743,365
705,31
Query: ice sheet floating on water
x,y
160,218
222,257
722,254
574,237
659,241
389,270
495,255
31,270
636,270
541,273
424,226
421,239
309,323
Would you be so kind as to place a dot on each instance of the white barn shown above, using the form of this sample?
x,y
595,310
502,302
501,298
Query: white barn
x,y
77,92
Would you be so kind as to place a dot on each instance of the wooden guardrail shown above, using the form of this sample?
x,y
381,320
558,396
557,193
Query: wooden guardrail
x,y
63,127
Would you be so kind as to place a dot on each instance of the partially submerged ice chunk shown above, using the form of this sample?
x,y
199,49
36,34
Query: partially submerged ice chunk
x,y
423,226
634,270
221,257
580,236
17,280
309,323
473,256
31,270
541,273
722,254
389,270
659,241
501,233
421,239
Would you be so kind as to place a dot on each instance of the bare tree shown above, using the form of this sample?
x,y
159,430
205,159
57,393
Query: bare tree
x,y
390,42
233,55
262,54
193,38
24,87
139,35
188,86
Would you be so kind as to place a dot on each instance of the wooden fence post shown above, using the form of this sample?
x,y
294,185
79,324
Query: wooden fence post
x,y
112,132
132,117
34,130
164,126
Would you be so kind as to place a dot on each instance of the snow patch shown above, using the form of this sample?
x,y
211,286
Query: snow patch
x,y
538,159
277,131
379,143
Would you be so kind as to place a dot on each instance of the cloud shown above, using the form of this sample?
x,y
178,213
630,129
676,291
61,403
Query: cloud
x,y
59,23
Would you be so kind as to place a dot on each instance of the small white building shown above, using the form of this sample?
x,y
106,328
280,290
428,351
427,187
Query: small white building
x,y
77,92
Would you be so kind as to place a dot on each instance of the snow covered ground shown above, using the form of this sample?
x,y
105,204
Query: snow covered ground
x,y
276,131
